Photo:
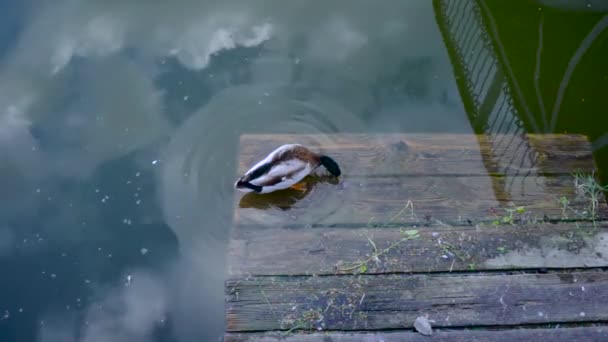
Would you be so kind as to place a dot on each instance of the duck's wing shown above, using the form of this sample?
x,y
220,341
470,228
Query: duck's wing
x,y
288,171
275,157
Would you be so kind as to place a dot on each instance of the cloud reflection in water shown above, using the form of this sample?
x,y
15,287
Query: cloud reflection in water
x,y
91,92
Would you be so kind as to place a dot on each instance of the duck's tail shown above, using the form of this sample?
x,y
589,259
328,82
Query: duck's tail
x,y
331,165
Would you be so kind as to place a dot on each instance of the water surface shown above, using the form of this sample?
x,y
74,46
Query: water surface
x,y
119,128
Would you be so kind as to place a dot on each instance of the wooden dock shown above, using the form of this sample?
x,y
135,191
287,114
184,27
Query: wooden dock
x,y
483,241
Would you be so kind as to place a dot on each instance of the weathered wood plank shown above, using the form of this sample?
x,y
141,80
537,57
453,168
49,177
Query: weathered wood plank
x,y
587,334
367,302
434,154
323,251
454,200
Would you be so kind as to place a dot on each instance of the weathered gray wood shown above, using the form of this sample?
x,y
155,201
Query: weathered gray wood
x,y
367,302
432,154
434,249
434,181
454,200
587,334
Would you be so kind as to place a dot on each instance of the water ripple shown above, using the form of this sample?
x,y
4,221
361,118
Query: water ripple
x,y
197,176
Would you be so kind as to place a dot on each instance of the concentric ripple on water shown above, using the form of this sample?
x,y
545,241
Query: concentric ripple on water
x,y
200,163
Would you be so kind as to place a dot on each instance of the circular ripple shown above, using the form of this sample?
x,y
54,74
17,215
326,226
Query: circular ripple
x,y
200,162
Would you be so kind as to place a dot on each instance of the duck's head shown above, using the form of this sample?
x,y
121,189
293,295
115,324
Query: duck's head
x,y
245,186
240,185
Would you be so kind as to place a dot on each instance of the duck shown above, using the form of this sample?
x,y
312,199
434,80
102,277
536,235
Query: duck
x,y
283,168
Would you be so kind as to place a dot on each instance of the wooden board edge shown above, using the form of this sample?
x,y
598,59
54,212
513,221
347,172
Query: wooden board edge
x,y
330,251
591,334
373,303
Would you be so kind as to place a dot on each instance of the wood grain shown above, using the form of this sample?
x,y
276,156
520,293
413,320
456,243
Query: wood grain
x,y
377,302
434,154
453,200
323,251
292,253
587,334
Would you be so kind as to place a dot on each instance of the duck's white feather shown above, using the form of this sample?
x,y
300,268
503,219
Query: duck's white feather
x,y
290,171
272,156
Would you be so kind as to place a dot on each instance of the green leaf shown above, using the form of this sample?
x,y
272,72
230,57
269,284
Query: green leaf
x,y
363,268
496,223
501,249
521,210
506,219
410,233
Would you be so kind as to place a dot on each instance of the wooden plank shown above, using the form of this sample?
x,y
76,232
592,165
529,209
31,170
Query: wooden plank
x,y
323,251
394,301
433,154
587,334
454,200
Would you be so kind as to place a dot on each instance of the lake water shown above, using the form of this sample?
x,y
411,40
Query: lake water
x,y
119,127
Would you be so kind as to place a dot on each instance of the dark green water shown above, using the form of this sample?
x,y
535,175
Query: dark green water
x,y
119,124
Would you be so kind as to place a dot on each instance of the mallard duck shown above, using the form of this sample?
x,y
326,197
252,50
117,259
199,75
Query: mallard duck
x,y
284,168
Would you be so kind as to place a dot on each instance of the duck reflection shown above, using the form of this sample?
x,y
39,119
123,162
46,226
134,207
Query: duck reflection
x,y
287,198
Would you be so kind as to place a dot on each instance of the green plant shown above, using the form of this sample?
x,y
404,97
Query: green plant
x,y
509,218
589,189
362,266
409,205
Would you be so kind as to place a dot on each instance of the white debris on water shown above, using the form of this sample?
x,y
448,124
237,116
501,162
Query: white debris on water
x,y
154,161
143,251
